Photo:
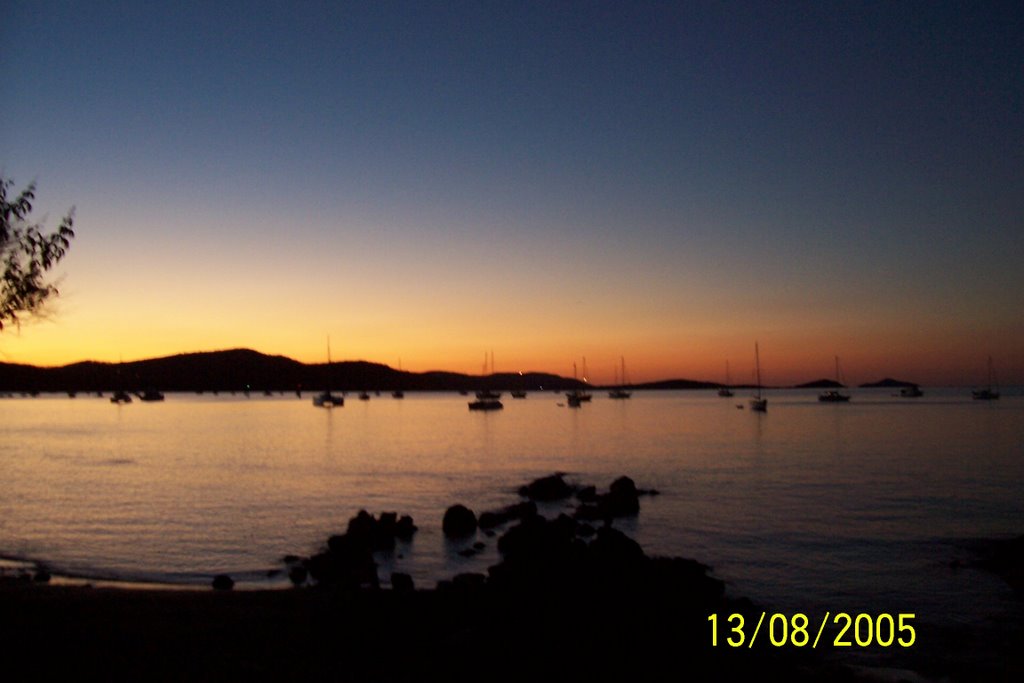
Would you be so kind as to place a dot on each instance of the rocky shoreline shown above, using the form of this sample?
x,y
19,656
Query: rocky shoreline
x,y
572,598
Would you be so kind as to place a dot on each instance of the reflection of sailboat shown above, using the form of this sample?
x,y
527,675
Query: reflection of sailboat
x,y
620,391
326,399
725,391
834,396
988,393
757,403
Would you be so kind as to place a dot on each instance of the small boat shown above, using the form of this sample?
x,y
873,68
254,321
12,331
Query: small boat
x,y
833,396
911,392
518,394
724,391
620,391
120,397
486,404
326,399
758,403
988,393
364,396
151,395
488,395
577,397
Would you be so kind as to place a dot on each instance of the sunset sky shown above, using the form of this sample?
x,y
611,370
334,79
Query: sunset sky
x,y
667,182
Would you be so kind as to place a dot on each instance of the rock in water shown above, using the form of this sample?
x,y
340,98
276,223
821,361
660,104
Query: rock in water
x,y
548,488
459,521
223,582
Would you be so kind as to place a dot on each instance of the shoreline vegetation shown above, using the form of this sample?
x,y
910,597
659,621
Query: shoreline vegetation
x,y
242,370
572,598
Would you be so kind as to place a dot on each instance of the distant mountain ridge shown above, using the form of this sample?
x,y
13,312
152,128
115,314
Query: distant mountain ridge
x,y
248,370
889,383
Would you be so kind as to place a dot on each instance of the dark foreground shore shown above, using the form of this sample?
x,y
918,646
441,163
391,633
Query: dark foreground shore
x,y
569,601
55,632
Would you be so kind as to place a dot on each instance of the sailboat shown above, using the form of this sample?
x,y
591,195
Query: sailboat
x,y
834,396
584,395
326,399
576,397
487,394
757,403
485,398
620,391
120,396
988,393
725,391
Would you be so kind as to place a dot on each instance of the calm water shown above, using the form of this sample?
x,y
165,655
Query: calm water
x,y
810,507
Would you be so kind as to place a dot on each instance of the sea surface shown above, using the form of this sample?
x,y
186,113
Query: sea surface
x,y
861,507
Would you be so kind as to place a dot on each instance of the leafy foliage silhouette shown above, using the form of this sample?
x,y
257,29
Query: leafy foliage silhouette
x,y
26,253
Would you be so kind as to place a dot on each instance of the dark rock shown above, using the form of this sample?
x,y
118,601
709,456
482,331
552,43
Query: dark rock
x,y
298,575
223,582
41,576
547,489
493,518
401,583
362,526
623,486
348,561
479,545
386,531
375,534
404,528
459,521
616,551
290,559
489,520
469,552
587,494
469,581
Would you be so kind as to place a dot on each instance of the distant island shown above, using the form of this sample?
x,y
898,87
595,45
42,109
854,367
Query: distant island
x,y
821,384
245,370
889,383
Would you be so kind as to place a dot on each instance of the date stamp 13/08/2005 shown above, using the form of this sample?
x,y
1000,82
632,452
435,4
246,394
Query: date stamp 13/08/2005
x,y
853,630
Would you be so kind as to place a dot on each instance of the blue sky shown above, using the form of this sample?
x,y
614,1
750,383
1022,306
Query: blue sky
x,y
667,181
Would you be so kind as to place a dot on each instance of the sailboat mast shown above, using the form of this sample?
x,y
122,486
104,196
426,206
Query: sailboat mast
x,y
757,365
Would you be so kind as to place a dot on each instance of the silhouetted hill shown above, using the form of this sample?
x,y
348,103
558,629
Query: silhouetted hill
x,y
676,384
888,383
821,384
248,370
